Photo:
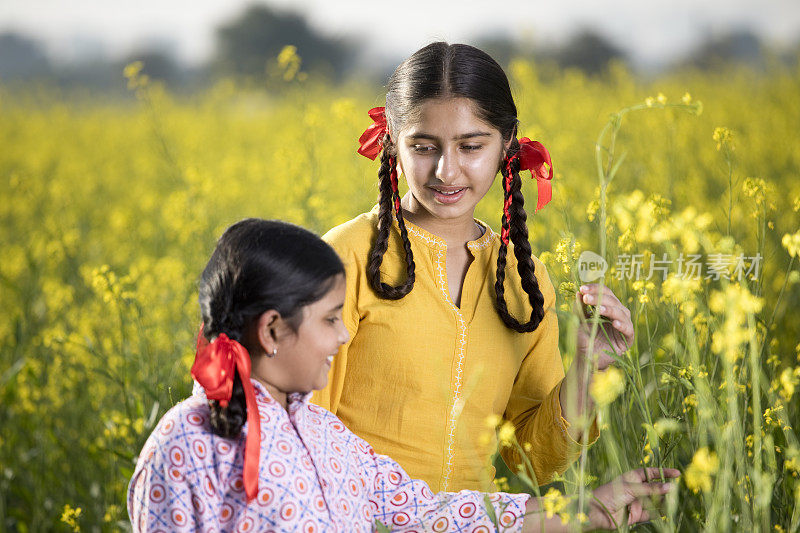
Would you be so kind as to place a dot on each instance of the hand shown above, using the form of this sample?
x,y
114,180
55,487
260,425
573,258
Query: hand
x,y
629,496
619,329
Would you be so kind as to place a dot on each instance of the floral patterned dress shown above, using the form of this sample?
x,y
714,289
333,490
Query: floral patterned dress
x,y
314,475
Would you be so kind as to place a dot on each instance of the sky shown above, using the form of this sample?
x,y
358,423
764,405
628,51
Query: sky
x,y
651,31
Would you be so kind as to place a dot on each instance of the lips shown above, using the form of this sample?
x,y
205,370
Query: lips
x,y
448,195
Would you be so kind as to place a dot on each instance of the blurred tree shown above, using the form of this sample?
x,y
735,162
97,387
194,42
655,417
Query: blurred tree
x,y
741,46
158,64
501,48
588,51
246,44
22,58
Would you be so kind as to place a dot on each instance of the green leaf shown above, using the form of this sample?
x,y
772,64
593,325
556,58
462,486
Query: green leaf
x,y
487,504
380,527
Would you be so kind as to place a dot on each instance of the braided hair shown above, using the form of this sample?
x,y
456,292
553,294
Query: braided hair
x,y
441,70
389,206
260,265
515,225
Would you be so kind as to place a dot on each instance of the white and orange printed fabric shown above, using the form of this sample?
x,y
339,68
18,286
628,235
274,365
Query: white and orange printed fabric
x,y
314,476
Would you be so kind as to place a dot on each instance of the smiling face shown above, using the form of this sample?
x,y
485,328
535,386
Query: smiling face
x,y
303,356
450,158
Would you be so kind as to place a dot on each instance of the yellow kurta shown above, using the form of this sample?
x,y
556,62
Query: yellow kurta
x,y
420,375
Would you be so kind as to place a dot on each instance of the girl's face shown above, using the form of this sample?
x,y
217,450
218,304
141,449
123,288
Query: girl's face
x,y
304,356
449,157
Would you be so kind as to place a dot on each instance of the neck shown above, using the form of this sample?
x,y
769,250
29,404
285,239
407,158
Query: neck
x,y
259,371
455,231
278,395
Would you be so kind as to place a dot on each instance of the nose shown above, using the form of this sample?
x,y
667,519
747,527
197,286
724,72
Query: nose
x,y
344,335
447,167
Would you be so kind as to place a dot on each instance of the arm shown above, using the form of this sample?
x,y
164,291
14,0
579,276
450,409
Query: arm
x,y
535,407
628,499
399,500
159,499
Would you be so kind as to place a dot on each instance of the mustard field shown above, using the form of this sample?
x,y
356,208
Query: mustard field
x,y
687,186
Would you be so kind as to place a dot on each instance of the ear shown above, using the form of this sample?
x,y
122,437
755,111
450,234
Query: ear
x,y
265,330
507,144
393,137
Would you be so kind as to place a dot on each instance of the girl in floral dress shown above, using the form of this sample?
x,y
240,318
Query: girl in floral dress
x,y
248,452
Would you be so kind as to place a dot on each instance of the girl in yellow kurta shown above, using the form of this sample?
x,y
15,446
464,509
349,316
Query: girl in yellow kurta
x,y
451,322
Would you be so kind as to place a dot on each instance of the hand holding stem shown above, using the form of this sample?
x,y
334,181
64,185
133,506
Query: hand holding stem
x,y
614,335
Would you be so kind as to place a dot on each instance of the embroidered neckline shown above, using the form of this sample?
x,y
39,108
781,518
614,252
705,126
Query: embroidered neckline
x,y
436,242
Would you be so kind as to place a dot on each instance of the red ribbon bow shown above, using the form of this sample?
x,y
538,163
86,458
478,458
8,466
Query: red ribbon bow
x,y
532,156
213,368
372,138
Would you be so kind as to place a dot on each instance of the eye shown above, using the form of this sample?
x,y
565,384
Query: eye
x,y
471,147
332,319
423,148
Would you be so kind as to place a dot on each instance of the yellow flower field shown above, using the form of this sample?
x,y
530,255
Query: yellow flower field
x,y
111,208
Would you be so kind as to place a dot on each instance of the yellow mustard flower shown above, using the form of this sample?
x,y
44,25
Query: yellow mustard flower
x,y
789,382
699,474
607,385
70,517
791,241
506,434
723,137
553,502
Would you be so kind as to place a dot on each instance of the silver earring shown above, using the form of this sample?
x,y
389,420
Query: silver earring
x,y
274,352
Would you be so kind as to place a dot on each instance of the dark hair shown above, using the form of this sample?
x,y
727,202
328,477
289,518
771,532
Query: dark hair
x,y
260,265
442,70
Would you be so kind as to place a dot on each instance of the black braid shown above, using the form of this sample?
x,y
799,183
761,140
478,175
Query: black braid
x,y
227,421
386,201
518,228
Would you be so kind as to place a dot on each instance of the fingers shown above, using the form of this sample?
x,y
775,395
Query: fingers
x,y
648,490
633,495
637,513
648,474
670,473
590,294
593,290
610,307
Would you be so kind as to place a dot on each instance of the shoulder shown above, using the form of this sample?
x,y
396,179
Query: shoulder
x,y
183,430
335,430
355,235
174,470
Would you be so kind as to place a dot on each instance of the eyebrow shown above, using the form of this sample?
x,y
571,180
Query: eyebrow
x,y
337,308
422,135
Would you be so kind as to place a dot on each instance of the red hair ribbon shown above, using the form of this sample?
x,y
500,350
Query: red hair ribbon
x,y
393,180
213,368
372,138
532,156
